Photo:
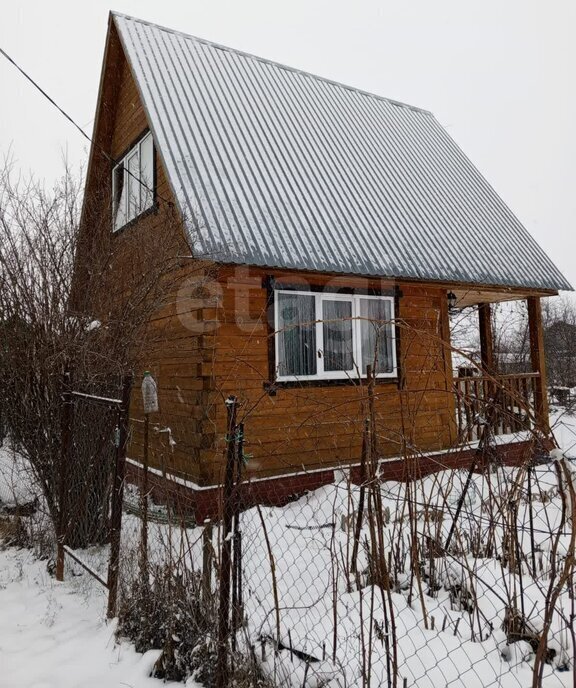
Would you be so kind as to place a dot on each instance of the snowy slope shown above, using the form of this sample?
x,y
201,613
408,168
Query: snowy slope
x,y
52,637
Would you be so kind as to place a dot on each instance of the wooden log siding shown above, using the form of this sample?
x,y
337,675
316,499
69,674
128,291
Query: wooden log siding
x,y
313,427
176,356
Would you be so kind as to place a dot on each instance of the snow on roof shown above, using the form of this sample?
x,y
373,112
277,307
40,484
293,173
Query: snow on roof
x,y
280,168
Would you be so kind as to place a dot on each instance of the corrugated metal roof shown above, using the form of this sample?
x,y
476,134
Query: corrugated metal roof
x,y
286,169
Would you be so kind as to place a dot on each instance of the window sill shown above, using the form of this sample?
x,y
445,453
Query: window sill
x,y
152,210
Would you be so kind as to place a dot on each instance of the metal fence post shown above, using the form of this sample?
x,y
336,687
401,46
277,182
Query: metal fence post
x,y
207,557
226,555
144,503
66,434
237,537
118,497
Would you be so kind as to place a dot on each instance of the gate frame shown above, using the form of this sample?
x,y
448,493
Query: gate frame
x,y
122,423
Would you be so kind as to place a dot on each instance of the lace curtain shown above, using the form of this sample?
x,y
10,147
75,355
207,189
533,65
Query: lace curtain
x,y
376,332
296,334
337,331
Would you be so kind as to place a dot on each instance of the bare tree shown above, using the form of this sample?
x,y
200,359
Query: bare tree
x,y
512,340
73,299
511,336
559,316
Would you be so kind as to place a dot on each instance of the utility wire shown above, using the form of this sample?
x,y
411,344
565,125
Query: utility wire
x,y
71,120
43,92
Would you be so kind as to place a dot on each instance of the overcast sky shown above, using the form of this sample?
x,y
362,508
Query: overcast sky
x,y
499,75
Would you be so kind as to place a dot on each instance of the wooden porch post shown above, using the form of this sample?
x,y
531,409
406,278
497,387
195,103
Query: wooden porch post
x,y
486,338
451,424
536,333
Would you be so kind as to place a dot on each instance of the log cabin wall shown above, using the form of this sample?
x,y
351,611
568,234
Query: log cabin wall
x,y
174,354
174,345
313,426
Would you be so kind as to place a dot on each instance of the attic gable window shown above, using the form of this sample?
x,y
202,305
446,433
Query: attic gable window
x,y
133,183
322,336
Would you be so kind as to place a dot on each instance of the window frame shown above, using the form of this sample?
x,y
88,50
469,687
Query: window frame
x,y
336,375
122,162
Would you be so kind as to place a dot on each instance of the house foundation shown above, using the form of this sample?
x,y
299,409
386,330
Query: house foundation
x,y
205,503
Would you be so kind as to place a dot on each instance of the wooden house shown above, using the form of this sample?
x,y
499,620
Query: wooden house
x,y
333,229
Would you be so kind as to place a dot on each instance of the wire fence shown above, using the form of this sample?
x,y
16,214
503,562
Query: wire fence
x,y
461,577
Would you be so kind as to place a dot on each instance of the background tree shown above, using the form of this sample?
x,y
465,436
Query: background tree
x,y
64,308
512,341
559,316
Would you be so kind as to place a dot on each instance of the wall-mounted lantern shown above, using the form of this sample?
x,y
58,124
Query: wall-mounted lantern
x,y
452,300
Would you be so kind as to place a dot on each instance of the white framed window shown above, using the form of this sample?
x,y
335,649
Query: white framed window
x,y
133,183
322,336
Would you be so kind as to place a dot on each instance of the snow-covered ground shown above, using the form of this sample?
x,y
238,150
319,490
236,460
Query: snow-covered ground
x,y
321,617
563,425
55,634
53,637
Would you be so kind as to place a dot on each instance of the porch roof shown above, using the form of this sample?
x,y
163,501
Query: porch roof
x,y
279,168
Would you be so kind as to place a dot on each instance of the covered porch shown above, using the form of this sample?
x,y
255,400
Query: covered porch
x,y
513,404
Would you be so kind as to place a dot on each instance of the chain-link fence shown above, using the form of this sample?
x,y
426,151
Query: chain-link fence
x,y
460,577
442,581
463,577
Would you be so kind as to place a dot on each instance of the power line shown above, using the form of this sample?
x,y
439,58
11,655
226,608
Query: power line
x,y
75,124
43,92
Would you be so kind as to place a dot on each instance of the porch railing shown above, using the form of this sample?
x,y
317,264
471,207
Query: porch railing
x,y
510,398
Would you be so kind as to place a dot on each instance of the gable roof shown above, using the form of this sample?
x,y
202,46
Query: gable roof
x,y
284,169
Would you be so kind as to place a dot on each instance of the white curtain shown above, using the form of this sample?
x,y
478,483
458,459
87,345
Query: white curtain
x,y
376,330
296,334
337,332
132,184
